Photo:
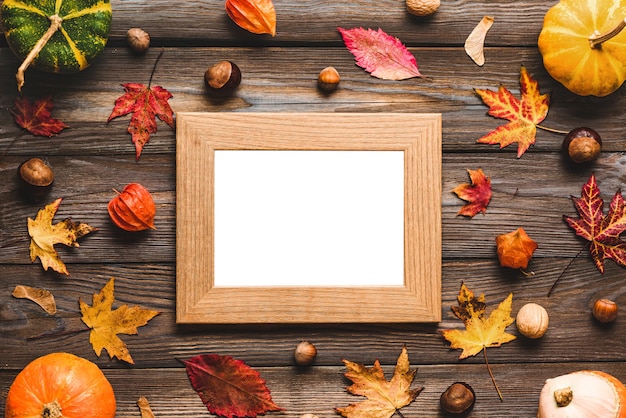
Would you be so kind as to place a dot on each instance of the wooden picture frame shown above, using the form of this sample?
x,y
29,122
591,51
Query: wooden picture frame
x,y
199,135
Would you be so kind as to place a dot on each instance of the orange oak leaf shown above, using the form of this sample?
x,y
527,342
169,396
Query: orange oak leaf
x,y
43,236
106,323
36,117
523,115
477,194
255,16
145,103
515,249
480,331
228,387
381,55
384,398
602,232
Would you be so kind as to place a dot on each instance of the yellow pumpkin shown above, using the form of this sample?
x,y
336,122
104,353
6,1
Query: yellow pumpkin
x,y
583,45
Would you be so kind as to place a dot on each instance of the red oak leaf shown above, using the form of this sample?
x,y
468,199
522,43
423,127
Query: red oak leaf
x,y
515,249
478,194
380,54
145,103
603,232
229,387
36,117
524,115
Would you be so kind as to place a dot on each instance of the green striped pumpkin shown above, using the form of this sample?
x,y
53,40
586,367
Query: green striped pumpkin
x,y
81,32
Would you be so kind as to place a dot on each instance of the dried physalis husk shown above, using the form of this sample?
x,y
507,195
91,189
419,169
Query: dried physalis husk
x,y
475,42
144,407
41,297
256,16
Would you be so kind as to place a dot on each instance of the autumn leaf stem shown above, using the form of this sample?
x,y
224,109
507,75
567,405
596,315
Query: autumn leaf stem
x,y
564,270
6,151
154,67
556,131
399,413
493,379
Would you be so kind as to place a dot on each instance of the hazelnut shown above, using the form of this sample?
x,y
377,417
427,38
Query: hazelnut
x,y
582,145
223,77
458,398
138,40
532,320
422,7
305,353
328,79
35,177
605,310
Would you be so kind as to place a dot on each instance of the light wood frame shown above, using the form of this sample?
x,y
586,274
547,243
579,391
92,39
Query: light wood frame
x,y
200,134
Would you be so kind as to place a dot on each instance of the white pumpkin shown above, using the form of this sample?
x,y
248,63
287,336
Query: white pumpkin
x,y
583,394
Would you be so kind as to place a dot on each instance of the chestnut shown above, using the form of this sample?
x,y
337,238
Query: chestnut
x,y
604,310
458,398
35,178
223,77
582,145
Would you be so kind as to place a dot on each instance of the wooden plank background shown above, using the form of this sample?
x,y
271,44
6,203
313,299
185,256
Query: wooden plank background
x,y
93,157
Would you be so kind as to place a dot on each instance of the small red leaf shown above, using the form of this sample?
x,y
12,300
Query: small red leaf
x,y
229,387
380,54
145,103
603,232
36,117
477,194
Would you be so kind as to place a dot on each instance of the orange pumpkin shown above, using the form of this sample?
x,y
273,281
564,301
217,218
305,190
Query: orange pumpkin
x,y
60,385
583,45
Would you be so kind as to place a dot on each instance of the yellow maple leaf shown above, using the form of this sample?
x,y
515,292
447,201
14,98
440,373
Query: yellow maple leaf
x,y
43,236
384,397
105,323
480,332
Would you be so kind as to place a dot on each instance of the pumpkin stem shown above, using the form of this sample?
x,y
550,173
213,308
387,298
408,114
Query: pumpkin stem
x,y
563,397
55,24
51,410
596,40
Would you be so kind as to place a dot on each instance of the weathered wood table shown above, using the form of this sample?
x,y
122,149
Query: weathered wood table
x,y
279,75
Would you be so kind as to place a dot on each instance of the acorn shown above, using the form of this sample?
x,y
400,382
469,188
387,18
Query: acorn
x,y
582,145
223,77
35,178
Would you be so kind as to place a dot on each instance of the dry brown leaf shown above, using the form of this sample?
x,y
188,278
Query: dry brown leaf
x,y
475,42
144,408
41,297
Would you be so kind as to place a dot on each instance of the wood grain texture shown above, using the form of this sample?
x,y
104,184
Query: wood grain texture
x,y
93,157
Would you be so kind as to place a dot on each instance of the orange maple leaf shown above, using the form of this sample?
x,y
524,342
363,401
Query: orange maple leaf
x,y
515,249
524,115
106,323
384,397
478,193
145,103
43,236
480,332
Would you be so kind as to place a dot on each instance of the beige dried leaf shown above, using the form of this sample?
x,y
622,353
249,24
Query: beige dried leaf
x,y
41,297
475,42
144,408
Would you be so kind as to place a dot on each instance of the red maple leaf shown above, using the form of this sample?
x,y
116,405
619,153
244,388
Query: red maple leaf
x,y
603,232
36,117
524,115
145,103
229,387
477,194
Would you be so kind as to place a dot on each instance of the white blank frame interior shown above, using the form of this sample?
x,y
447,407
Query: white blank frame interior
x,y
215,171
